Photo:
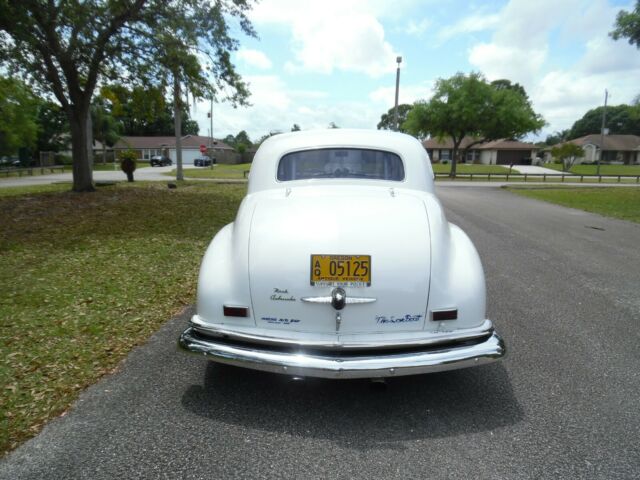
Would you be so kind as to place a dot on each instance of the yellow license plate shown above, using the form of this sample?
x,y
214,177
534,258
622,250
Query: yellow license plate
x,y
341,270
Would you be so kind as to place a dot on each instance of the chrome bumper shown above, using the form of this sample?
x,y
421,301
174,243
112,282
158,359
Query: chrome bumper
x,y
340,363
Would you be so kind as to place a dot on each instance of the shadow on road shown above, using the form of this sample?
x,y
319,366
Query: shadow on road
x,y
352,413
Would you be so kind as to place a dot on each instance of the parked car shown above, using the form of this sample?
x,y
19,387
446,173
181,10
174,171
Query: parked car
x,y
8,162
204,161
341,264
160,161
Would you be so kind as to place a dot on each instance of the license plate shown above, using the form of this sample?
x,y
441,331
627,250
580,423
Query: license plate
x,y
341,270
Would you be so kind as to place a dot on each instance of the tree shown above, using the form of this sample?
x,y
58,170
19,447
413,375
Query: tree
x,y
68,47
144,111
387,119
621,119
567,153
467,105
628,26
504,84
18,116
53,128
556,137
332,125
106,129
295,128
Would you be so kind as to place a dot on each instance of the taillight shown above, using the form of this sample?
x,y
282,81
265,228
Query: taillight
x,y
233,311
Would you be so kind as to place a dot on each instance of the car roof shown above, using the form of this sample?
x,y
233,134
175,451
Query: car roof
x,y
418,171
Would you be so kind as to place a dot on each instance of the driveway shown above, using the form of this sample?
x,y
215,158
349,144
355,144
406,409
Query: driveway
x,y
563,290
535,169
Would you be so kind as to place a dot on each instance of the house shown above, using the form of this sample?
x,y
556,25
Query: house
x,y
146,147
617,149
497,152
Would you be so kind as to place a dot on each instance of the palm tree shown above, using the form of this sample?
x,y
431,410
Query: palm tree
x,y
106,129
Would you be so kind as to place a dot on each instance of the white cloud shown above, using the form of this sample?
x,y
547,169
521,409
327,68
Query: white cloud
x,y
277,107
511,62
386,96
416,29
333,35
476,22
254,58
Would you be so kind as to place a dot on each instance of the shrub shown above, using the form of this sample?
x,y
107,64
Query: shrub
x,y
128,163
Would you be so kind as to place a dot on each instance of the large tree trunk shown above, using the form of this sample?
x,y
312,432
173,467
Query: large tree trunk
x,y
80,146
177,114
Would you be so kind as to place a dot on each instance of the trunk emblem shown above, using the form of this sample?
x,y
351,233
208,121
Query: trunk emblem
x,y
338,298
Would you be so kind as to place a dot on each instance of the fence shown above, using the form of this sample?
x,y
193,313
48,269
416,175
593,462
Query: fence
x,y
535,177
31,170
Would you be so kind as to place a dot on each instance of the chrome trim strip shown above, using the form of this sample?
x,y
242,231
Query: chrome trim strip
x,y
417,339
328,366
348,300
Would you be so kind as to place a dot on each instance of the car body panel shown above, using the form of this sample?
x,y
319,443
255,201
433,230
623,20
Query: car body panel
x,y
421,266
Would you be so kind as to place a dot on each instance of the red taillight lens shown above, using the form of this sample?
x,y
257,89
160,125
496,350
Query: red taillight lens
x,y
445,315
235,311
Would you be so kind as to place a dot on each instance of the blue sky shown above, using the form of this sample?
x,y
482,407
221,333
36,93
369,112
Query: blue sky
x,y
326,61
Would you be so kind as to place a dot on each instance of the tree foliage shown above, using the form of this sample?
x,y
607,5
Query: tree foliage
x,y
567,153
387,119
468,105
556,137
295,128
628,26
240,142
144,111
67,48
53,128
621,119
18,116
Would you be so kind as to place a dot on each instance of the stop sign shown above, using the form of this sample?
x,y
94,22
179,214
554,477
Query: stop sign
x,y
203,149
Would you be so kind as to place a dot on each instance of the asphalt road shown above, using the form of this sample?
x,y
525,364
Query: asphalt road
x,y
564,291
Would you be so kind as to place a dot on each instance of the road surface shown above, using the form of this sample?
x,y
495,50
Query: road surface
x,y
563,290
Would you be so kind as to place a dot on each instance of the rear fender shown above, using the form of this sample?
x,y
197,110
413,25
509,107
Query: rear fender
x,y
457,277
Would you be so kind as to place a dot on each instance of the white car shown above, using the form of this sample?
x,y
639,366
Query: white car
x,y
341,264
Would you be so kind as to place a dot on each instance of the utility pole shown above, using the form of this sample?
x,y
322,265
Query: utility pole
x,y
604,120
211,124
395,111
177,115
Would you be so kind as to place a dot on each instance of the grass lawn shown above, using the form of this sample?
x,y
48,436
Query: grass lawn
x,y
623,203
85,278
98,166
604,169
464,168
219,171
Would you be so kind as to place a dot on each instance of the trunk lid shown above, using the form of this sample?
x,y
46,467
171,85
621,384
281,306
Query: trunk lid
x,y
391,227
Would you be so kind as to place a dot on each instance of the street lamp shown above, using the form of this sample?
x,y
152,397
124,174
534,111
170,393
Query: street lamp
x,y
604,120
395,111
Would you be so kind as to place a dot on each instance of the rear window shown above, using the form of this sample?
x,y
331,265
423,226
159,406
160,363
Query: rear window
x,y
341,163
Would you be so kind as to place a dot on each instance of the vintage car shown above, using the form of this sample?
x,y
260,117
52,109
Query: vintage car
x,y
341,264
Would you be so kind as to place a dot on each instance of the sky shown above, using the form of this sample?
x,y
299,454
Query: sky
x,y
317,62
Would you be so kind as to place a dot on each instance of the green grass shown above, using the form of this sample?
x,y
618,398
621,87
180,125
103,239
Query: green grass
x,y
85,278
464,168
32,189
219,171
604,169
98,166
623,203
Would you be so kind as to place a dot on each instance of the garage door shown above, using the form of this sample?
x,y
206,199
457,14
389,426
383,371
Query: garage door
x,y
517,157
188,155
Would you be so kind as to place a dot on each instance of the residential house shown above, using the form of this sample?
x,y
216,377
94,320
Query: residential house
x,y
498,152
146,147
617,149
